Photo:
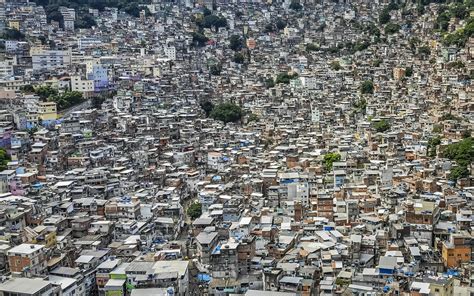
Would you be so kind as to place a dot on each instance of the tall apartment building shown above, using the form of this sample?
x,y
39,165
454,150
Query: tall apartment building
x,y
43,59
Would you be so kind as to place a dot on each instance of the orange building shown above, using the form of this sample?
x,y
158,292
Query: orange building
x,y
457,250
398,73
251,43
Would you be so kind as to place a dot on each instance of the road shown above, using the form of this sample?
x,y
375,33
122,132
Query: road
x,y
68,111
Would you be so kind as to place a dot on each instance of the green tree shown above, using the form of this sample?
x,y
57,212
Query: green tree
x,y
280,24
372,30
133,9
424,51
12,34
462,151
43,40
253,117
432,144
215,69
377,62
195,210
455,65
361,45
236,42
391,28
360,106
466,133
295,5
384,16
53,14
367,87
449,116
458,172
269,28
239,58
46,91
392,6
226,112
420,9
336,66
207,106
28,88
331,158
312,47
437,128
409,71
4,159
85,21
269,83
199,39
284,78
459,10
67,99
381,126
214,21
97,102
32,131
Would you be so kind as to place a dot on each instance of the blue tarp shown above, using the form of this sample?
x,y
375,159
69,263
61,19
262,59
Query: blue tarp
x,y
159,240
37,185
203,277
385,271
452,272
217,249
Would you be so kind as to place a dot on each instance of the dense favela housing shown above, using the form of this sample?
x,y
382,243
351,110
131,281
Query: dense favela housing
x,y
258,148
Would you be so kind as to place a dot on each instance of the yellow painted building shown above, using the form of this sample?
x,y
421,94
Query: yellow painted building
x,y
41,235
49,240
14,24
440,286
47,111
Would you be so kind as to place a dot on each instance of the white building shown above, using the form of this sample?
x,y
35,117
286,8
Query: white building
x,y
69,286
6,67
315,115
177,272
11,45
309,82
68,24
26,286
299,191
217,161
87,42
49,59
170,52
82,85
